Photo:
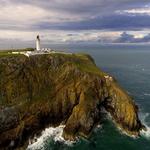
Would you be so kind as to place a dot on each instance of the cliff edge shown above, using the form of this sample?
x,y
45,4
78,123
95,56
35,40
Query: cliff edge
x,y
51,89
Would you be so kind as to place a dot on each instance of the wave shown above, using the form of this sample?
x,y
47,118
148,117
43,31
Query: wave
x,y
145,133
38,143
55,134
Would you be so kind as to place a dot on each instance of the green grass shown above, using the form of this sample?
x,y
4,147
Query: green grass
x,y
16,50
7,53
88,67
86,63
83,61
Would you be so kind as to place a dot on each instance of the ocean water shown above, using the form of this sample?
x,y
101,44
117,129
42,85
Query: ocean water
x,y
130,65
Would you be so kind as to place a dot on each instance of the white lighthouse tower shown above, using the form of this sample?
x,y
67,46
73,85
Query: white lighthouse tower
x,y
38,43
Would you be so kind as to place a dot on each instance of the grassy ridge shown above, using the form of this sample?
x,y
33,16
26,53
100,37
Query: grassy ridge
x,y
4,53
16,50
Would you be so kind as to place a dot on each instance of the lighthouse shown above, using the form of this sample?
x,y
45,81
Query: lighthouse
x,y
38,43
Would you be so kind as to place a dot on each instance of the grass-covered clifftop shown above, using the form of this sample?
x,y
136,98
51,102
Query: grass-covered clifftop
x,y
50,89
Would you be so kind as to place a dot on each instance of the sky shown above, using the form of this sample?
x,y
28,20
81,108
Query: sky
x,y
74,21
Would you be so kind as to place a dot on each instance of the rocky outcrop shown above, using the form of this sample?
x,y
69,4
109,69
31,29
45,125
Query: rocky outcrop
x,y
50,89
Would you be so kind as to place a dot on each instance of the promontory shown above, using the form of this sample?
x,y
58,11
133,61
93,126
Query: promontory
x,y
52,89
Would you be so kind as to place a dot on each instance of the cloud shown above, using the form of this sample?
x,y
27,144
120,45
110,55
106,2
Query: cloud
x,y
145,38
74,21
125,38
27,39
25,15
129,38
49,37
112,22
136,11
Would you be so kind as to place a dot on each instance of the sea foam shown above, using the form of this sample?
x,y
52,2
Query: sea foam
x,y
37,143
145,133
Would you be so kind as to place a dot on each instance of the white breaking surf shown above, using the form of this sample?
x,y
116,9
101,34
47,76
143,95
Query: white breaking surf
x,y
144,133
51,132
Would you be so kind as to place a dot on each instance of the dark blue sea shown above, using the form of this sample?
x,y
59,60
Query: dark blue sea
x,y
130,65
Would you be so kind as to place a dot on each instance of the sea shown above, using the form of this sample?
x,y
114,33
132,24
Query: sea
x,y
130,65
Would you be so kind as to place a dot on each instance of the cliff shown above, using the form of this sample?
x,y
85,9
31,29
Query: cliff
x,y
50,89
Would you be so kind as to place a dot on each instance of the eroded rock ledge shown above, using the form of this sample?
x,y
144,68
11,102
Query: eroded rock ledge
x,y
54,88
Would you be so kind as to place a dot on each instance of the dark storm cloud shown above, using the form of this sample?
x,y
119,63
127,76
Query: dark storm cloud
x,y
115,23
92,14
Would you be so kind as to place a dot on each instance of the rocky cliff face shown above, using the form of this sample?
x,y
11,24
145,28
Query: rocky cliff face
x,y
51,89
